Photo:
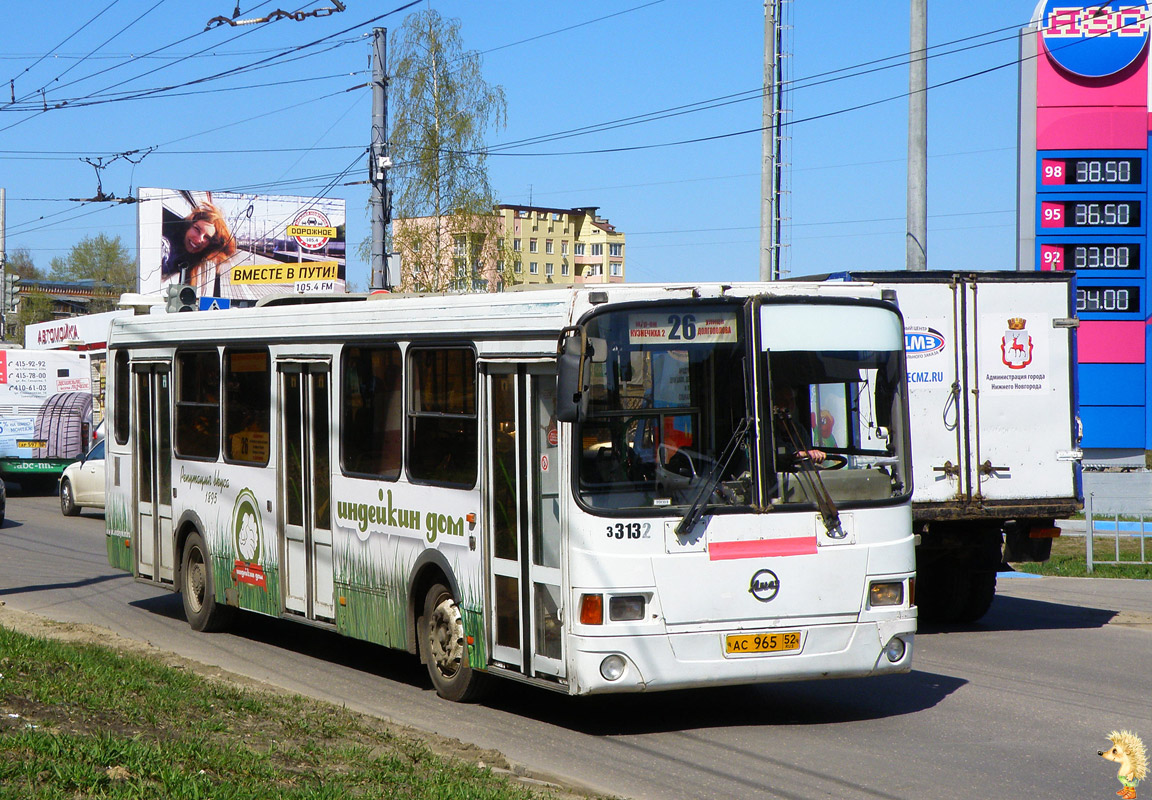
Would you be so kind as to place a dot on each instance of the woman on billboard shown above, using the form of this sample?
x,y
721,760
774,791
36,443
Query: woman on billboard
x,y
192,246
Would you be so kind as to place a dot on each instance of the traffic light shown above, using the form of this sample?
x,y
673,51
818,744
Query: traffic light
x,y
180,297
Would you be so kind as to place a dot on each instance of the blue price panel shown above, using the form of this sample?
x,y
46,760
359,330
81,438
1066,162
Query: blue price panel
x,y
1109,299
1104,256
1091,171
1090,214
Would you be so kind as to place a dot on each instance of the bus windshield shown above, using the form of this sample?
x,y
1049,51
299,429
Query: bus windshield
x,y
838,417
672,386
665,401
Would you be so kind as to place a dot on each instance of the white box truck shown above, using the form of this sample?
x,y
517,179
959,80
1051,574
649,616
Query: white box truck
x,y
995,439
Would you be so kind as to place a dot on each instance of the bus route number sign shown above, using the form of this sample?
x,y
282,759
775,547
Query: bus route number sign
x,y
710,327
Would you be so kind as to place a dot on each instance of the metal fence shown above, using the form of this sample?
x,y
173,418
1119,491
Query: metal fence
x,y
1125,531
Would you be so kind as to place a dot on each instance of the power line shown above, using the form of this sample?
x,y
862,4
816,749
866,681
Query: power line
x,y
12,80
759,129
157,4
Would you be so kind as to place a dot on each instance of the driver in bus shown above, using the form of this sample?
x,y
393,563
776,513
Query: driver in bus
x,y
793,440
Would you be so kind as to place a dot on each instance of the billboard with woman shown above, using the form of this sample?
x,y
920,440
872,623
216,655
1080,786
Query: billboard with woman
x,y
240,247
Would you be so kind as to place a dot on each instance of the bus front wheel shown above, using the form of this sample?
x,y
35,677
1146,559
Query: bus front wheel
x,y
200,606
444,648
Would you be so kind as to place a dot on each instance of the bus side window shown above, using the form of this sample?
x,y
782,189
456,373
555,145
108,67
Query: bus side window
x,y
247,405
121,381
198,404
442,421
373,421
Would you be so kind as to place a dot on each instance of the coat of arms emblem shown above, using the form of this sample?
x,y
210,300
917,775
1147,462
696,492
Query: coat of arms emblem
x,y
1016,345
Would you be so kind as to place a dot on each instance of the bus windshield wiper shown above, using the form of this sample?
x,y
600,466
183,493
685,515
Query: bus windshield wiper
x,y
809,475
712,479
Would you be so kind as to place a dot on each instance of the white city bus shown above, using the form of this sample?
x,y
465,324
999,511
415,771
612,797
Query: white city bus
x,y
580,488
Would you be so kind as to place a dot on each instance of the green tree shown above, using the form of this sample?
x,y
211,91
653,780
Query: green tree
x,y
443,108
103,260
19,262
34,307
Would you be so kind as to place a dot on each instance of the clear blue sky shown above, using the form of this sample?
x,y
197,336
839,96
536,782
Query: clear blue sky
x,y
690,211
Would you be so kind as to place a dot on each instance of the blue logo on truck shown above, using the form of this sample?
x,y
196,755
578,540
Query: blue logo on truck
x,y
922,341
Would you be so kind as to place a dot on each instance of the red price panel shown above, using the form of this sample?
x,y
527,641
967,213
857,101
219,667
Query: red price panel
x,y
1051,256
1051,215
1053,172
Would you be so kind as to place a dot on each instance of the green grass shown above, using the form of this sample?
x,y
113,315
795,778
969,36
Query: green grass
x,y
86,721
1069,558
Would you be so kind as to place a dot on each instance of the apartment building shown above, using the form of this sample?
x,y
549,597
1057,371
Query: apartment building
x,y
515,245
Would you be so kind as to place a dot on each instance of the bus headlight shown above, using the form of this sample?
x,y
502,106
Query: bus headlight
x,y
612,667
894,650
626,608
886,594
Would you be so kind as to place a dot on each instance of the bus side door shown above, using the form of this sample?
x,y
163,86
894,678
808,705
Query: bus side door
x,y
305,488
152,412
523,519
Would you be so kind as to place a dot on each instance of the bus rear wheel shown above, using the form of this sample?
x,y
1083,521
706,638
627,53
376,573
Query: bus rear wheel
x,y
200,606
444,649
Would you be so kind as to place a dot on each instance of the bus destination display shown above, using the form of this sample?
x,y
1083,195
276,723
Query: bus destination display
x,y
1090,214
1093,171
1119,299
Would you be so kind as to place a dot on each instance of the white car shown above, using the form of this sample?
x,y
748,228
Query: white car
x,y
82,483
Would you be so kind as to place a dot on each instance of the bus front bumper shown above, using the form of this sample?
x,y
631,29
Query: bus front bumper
x,y
608,664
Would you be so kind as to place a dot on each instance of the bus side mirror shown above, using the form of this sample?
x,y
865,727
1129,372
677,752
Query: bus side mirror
x,y
573,380
887,382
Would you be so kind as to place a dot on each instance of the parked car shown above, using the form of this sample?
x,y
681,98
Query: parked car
x,y
82,483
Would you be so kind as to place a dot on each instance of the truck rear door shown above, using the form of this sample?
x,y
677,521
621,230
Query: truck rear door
x,y
1019,378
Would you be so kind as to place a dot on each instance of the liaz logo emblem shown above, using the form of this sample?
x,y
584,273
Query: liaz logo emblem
x,y
765,585
920,340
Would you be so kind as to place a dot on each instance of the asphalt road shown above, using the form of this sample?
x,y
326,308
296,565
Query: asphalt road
x,y
1017,706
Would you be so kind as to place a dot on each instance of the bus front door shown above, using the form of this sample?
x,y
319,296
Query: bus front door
x,y
305,489
523,521
153,472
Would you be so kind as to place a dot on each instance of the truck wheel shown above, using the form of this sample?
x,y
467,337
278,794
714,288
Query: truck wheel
x,y
941,592
444,650
981,593
196,589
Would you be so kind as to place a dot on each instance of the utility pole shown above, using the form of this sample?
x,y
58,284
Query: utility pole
x,y
916,240
768,146
772,143
380,200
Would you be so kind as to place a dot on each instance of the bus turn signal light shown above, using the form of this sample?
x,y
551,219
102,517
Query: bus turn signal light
x,y
591,609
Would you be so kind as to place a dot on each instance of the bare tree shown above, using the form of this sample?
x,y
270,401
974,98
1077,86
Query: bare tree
x,y
446,226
